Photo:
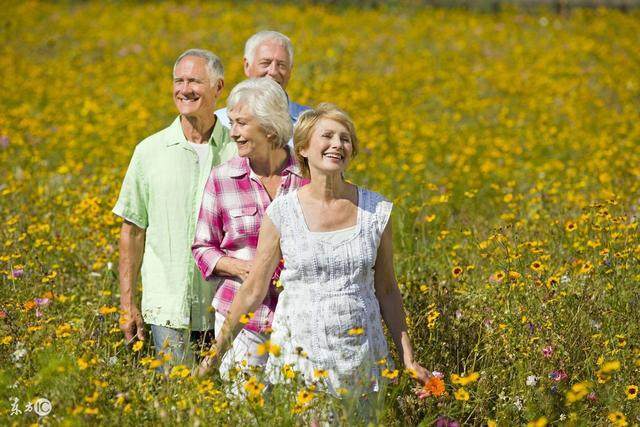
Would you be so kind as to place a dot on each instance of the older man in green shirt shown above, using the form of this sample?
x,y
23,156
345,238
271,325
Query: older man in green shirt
x,y
159,203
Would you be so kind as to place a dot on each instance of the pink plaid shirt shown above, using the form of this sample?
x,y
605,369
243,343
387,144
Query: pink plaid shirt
x,y
233,204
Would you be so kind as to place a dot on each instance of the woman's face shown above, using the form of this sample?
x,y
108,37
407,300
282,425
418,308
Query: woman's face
x,y
330,147
245,130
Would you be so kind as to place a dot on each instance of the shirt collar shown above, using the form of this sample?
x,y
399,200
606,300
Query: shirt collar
x,y
239,166
176,134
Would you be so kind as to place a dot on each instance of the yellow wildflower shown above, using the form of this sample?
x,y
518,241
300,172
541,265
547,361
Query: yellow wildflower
x,y
320,373
304,397
268,347
464,380
356,331
245,318
578,392
179,371
288,371
540,422
631,392
104,310
618,419
390,374
92,398
461,394
456,271
82,364
611,366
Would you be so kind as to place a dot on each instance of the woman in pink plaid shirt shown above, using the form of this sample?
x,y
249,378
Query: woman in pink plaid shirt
x,y
235,199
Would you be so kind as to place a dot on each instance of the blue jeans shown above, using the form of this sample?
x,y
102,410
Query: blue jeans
x,y
183,345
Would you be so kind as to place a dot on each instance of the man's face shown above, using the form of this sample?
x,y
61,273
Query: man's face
x,y
193,92
270,59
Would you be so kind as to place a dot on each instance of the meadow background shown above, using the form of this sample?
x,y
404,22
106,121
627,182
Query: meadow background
x,y
509,142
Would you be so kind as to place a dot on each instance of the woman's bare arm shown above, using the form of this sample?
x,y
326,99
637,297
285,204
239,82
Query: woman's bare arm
x,y
391,307
251,293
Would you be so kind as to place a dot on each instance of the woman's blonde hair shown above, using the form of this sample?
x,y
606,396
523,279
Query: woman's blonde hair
x,y
306,124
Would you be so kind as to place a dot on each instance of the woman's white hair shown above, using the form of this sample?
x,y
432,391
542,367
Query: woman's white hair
x,y
262,36
268,104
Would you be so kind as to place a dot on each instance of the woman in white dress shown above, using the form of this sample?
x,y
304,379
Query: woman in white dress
x,y
338,281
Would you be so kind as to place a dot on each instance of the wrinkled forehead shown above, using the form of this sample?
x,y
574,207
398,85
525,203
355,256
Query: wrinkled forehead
x,y
271,49
191,65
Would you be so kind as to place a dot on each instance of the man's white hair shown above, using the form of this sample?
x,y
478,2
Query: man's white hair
x,y
268,104
262,36
215,71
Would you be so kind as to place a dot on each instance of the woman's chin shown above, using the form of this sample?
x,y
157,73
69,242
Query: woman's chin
x,y
244,151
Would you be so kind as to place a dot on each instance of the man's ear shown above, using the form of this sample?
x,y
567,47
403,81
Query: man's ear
x,y
219,87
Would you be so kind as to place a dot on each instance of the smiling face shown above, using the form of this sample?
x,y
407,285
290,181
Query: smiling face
x,y
251,139
194,93
330,147
270,59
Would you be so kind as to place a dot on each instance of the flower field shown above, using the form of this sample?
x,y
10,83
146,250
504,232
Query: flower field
x,y
509,143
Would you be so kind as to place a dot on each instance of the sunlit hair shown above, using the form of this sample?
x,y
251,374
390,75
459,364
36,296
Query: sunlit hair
x,y
262,36
214,67
268,103
306,124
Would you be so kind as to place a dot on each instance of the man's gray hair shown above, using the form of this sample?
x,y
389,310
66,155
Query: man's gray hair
x,y
262,36
269,105
215,70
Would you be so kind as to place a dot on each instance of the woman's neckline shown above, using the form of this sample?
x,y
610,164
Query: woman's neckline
x,y
305,225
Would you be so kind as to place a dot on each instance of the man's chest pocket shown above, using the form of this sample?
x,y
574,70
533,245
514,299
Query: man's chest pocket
x,y
245,220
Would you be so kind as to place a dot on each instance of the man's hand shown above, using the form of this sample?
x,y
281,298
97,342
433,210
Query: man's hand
x,y
131,324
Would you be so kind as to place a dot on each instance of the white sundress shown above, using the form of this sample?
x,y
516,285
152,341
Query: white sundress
x,y
327,315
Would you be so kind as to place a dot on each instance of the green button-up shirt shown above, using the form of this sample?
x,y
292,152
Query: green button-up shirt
x,y
161,193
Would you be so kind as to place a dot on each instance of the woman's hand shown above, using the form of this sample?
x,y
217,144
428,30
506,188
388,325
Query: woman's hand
x,y
234,267
206,366
418,372
241,268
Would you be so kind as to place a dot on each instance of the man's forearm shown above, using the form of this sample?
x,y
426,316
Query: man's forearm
x,y
131,254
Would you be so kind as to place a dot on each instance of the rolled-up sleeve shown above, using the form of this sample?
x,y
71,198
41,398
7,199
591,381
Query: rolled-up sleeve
x,y
209,231
134,195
